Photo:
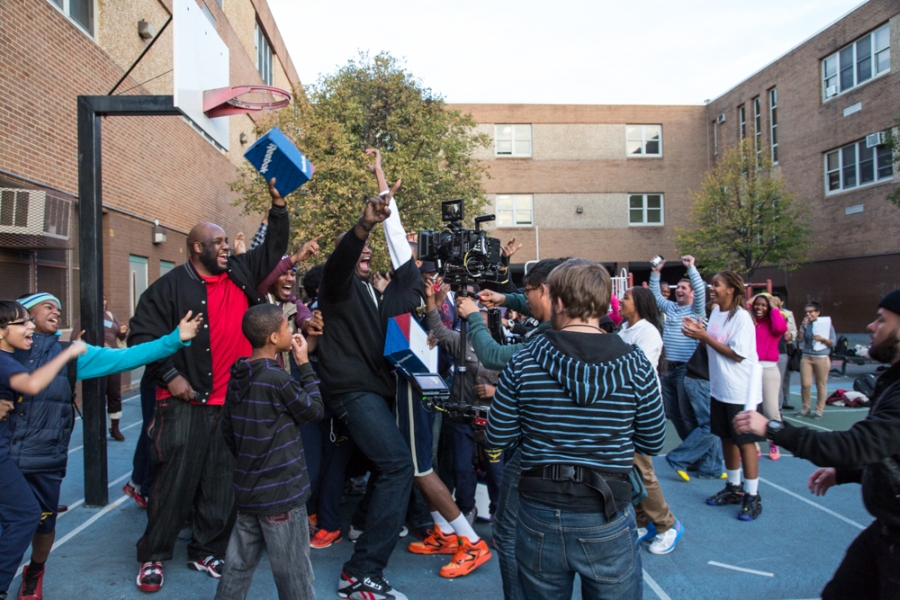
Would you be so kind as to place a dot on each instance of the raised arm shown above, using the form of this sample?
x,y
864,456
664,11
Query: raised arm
x,y
661,301
34,383
263,259
697,284
398,245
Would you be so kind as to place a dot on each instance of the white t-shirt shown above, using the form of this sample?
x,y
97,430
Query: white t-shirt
x,y
646,337
729,380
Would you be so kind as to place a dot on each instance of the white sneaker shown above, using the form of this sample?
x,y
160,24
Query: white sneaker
x,y
665,542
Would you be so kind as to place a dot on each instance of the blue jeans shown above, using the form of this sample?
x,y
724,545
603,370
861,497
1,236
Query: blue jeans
x,y
552,545
700,444
678,407
503,525
285,538
464,446
373,429
20,515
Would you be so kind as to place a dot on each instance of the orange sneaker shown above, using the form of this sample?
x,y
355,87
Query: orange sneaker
x,y
436,543
468,558
324,538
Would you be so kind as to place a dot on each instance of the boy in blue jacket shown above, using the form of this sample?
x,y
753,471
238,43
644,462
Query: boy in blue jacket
x,y
42,423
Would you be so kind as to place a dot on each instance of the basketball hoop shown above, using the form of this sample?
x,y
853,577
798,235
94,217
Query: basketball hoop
x,y
224,102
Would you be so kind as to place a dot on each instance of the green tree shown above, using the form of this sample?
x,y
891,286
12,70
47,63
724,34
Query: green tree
x,y
372,102
745,217
892,139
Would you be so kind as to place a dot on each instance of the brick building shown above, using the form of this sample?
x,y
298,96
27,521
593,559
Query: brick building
x,y
595,181
155,168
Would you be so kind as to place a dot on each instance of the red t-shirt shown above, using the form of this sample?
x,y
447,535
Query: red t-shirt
x,y
226,305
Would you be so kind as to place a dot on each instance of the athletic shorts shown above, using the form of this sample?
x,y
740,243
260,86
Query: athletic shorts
x,y
46,489
721,423
416,423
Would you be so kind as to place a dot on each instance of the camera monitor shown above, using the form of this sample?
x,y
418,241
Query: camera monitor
x,y
452,210
430,385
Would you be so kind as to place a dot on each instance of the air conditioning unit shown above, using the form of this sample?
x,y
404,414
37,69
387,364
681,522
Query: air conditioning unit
x,y
721,118
830,91
875,139
34,213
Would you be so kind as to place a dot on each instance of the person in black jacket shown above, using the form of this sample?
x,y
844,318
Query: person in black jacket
x,y
867,453
192,469
264,410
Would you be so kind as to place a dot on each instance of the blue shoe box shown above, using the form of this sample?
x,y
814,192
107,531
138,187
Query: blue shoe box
x,y
274,155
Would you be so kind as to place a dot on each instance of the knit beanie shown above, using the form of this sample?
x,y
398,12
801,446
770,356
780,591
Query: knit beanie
x,y
891,302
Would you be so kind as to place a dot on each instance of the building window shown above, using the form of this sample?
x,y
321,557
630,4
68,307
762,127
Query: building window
x,y
80,11
643,140
757,128
165,266
515,210
773,124
856,63
645,209
512,140
137,273
263,56
715,137
857,165
742,121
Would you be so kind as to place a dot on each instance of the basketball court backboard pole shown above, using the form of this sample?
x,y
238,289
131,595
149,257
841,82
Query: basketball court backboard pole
x,y
91,109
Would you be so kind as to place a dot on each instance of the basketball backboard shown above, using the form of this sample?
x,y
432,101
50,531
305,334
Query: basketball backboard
x,y
200,63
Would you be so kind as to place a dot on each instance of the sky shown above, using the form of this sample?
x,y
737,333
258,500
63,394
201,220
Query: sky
x,y
558,51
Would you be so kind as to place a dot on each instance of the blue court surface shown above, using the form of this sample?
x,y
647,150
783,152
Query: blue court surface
x,y
789,552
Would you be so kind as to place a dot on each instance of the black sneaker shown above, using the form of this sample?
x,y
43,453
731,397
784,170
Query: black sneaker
x,y
732,494
751,509
367,588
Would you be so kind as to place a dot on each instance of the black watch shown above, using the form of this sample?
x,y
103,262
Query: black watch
x,y
773,427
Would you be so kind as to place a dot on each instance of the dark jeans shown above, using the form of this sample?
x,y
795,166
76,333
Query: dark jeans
x,y
678,407
464,447
20,515
192,468
373,429
871,567
553,545
326,500
311,436
700,445
503,525
113,387
285,538
142,470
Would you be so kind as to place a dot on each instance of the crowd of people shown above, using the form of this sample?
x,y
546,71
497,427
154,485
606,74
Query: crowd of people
x,y
258,406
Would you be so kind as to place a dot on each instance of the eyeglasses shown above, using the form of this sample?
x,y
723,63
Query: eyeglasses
x,y
531,289
22,322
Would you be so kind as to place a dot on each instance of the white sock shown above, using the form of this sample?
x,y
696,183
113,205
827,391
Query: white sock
x,y
461,526
734,477
441,522
751,486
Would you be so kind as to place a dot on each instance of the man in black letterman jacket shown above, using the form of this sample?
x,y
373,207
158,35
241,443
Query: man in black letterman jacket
x,y
192,468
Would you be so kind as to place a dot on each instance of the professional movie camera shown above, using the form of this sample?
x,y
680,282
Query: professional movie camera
x,y
463,256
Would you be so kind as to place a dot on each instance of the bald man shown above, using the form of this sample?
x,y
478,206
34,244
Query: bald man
x,y
192,468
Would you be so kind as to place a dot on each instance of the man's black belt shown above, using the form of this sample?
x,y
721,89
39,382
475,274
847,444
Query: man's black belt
x,y
583,475
674,364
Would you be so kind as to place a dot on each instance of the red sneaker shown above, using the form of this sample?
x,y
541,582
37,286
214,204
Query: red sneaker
x,y
436,543
468,558
324,538
32,585
132,493
150,577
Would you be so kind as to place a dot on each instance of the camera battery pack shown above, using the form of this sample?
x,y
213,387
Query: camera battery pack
x,y
274,155
406,347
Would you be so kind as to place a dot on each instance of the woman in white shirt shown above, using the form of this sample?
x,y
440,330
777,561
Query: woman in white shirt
x,y
642,328
733,365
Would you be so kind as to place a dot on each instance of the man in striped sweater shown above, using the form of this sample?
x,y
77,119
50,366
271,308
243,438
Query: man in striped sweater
x,y
579,404
690,301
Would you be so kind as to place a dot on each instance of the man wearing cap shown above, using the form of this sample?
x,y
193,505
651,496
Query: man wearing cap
x,y
867,453
41,425
192,468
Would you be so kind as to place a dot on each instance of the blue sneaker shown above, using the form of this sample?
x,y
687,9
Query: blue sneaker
x,y
665,542
646,533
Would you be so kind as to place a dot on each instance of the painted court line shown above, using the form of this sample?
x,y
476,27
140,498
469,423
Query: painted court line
x,y
655,587
78,503
811,503
806,423
741,569
77,448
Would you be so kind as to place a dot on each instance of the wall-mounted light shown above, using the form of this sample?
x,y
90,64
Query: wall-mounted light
x,y
146,30
243,138
159,234
579,209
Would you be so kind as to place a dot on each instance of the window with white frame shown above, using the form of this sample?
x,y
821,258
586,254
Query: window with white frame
x,y
773,124
742,121
512,140
643,140
856,63
715,137
645,209
263,56
80,11
757,127
515,210
857,164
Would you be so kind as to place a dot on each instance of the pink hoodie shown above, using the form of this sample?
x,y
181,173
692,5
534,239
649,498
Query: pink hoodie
x,y
768,333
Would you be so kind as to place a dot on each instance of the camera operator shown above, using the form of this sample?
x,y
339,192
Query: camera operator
x,y
535,302
867,453
477,389
580,404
